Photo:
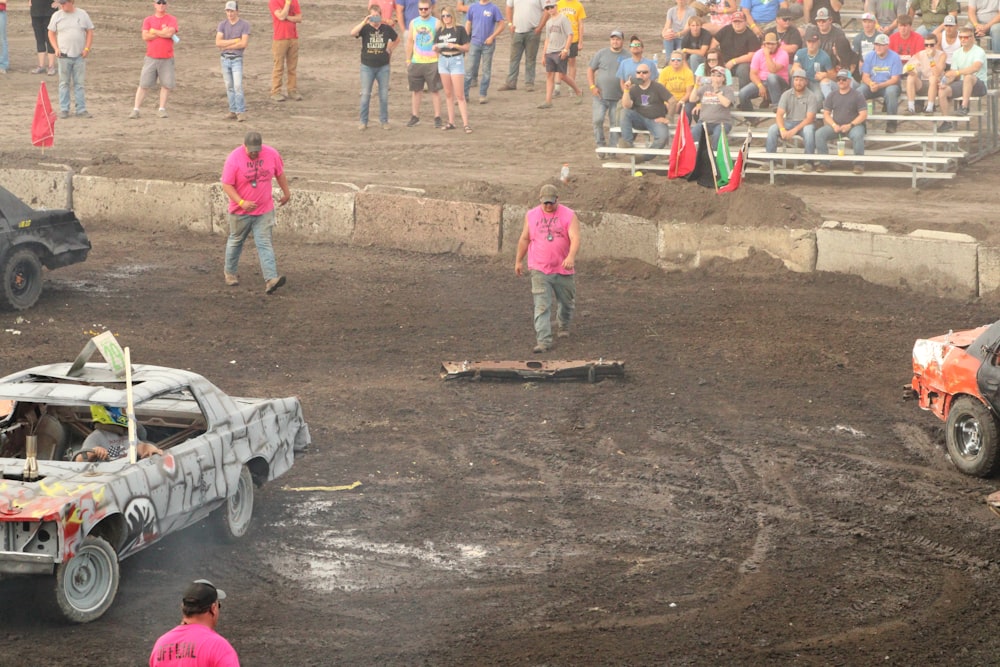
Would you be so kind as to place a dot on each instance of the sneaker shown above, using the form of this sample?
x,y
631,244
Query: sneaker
x,y
51,71
413,121
928,111
162,113
507,87
295,95
858,169
806,167
822,168
231,115
384,126
232,279
909,111
241,117
278,97
2,71
538,349
438,124
890,127
563,333
134,114
557,93
545,105
765,166
961,110
64,114
946,126
363,126
624,144
83,114
273,284
529,87
37,70
482,100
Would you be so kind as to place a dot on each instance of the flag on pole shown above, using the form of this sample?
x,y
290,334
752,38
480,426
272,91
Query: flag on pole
x,y
683,153
723,160
704,166
740,168
43,126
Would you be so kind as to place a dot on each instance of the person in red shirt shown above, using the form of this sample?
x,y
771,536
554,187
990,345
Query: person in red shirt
x,y
159,31
906,41
286,17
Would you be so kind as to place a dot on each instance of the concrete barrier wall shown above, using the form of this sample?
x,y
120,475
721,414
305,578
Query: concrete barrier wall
x,y
685,246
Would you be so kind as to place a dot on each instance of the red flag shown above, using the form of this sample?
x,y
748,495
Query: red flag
x,y
43,126
736,177
682,151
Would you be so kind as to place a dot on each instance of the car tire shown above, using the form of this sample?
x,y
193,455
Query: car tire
x,y
87,583
235,515
22,280
972,438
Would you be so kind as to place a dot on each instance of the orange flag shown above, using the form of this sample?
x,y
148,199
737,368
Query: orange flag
x,y
43,126
683,154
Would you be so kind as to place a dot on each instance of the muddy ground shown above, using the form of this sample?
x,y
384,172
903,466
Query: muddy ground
x,y
754,492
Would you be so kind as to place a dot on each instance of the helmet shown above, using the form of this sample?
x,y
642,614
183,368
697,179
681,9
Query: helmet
x,y
105,414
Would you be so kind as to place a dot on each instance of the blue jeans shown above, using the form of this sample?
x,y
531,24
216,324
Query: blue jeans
x,y
890,94
369,75
480,53
774,85
995,37
232,74
241,226
545,286
4,54
526,44
694,61
605,109
633,119
75,70
826,134
714,131
808,136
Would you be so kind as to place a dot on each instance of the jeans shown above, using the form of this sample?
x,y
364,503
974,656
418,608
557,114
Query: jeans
x,y
232,74
632,118
742,72
75,70
240,226
774,85
4,54
826,134
808,134
890,94
545,286
995,37
480,53
714,131
369,75
602,108
695,60
526,44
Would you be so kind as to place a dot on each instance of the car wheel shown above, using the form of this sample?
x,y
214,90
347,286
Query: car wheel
x,y
236,513
22,280
972,437
87,583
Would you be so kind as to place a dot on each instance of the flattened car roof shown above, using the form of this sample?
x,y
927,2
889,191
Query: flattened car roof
x,y
96,384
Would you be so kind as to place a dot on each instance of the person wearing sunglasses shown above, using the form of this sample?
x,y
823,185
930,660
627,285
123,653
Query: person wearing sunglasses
x,y
452,43
881,73
966,78
422,64
628,66
923,74
195,641
678,79
558,36
644,106
159,31
714,107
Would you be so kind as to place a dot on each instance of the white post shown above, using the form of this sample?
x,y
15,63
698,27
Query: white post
x,y
130,408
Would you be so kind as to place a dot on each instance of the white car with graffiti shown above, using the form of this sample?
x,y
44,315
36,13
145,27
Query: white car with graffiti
x,y
77,520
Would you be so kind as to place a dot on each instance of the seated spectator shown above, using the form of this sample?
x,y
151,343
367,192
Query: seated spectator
x,y
713,107
644,105
737,44
702,73
814,8
886,13
923,74
768,75
720,14
932,13
695,43
864,41
966,78
948,37
676,25
796,115
881,73
844,114
905,41
833,40
984,15
816,63
678,79
788,34
628,66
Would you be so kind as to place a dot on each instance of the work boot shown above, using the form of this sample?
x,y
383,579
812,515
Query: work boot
x,y
232,279
273,284
541,347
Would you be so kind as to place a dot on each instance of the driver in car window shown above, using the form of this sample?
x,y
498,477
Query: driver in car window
x,y
109,440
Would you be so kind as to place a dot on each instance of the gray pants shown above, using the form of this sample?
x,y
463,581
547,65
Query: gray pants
x,y
524,44
546,288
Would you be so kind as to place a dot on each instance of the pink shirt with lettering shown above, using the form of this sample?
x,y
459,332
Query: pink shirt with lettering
x,y
193,645
252,177
549,239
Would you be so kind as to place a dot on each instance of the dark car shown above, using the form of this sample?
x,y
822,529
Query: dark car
x,y
32,238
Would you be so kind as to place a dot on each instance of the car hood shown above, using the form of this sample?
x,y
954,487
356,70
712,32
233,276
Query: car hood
x,y
49,498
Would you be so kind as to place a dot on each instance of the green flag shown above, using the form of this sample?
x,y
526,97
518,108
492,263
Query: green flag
x,y
723,160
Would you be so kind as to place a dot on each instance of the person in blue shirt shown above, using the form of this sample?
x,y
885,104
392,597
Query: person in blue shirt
x,y
881,73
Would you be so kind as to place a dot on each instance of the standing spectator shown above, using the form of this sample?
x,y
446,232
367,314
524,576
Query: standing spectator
x,y
422,64
628,66
796,115
246,180
232,38
574,11
41,13
737,44
378,40
887,13
788,34
71,33
817,64
558,34
932,13
605,89
965,78
768,75
525,19
905,41
713,108
484,23
452,43
844,114
924,73
864,42
550,239
644,106
676,25
158,31
678,79
4,54
406,11
388,8
196,635
881,73
984,15
286,15
695,43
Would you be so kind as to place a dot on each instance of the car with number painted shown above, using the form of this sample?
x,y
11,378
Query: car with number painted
x,y
75,521
29,239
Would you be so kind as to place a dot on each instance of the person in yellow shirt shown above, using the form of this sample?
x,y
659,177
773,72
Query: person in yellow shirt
x,y
574,11
677,78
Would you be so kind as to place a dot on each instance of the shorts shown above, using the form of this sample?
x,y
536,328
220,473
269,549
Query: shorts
x,y
574,50
451,65
158,68
419,74
553,63
978,90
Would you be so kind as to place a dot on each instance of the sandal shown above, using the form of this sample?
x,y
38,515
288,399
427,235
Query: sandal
x,y
448,126
468,130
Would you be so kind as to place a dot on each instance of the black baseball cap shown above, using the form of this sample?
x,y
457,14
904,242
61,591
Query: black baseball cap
x,y
202,594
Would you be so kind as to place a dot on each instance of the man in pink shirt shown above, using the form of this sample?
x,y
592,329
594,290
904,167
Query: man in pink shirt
x,y
246,180
195,643
159,31
286,17
550,239
768,74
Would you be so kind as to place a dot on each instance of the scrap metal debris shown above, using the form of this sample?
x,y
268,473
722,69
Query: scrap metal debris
x,y
566,369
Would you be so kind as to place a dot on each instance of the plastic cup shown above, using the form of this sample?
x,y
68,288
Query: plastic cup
x,y
840,147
